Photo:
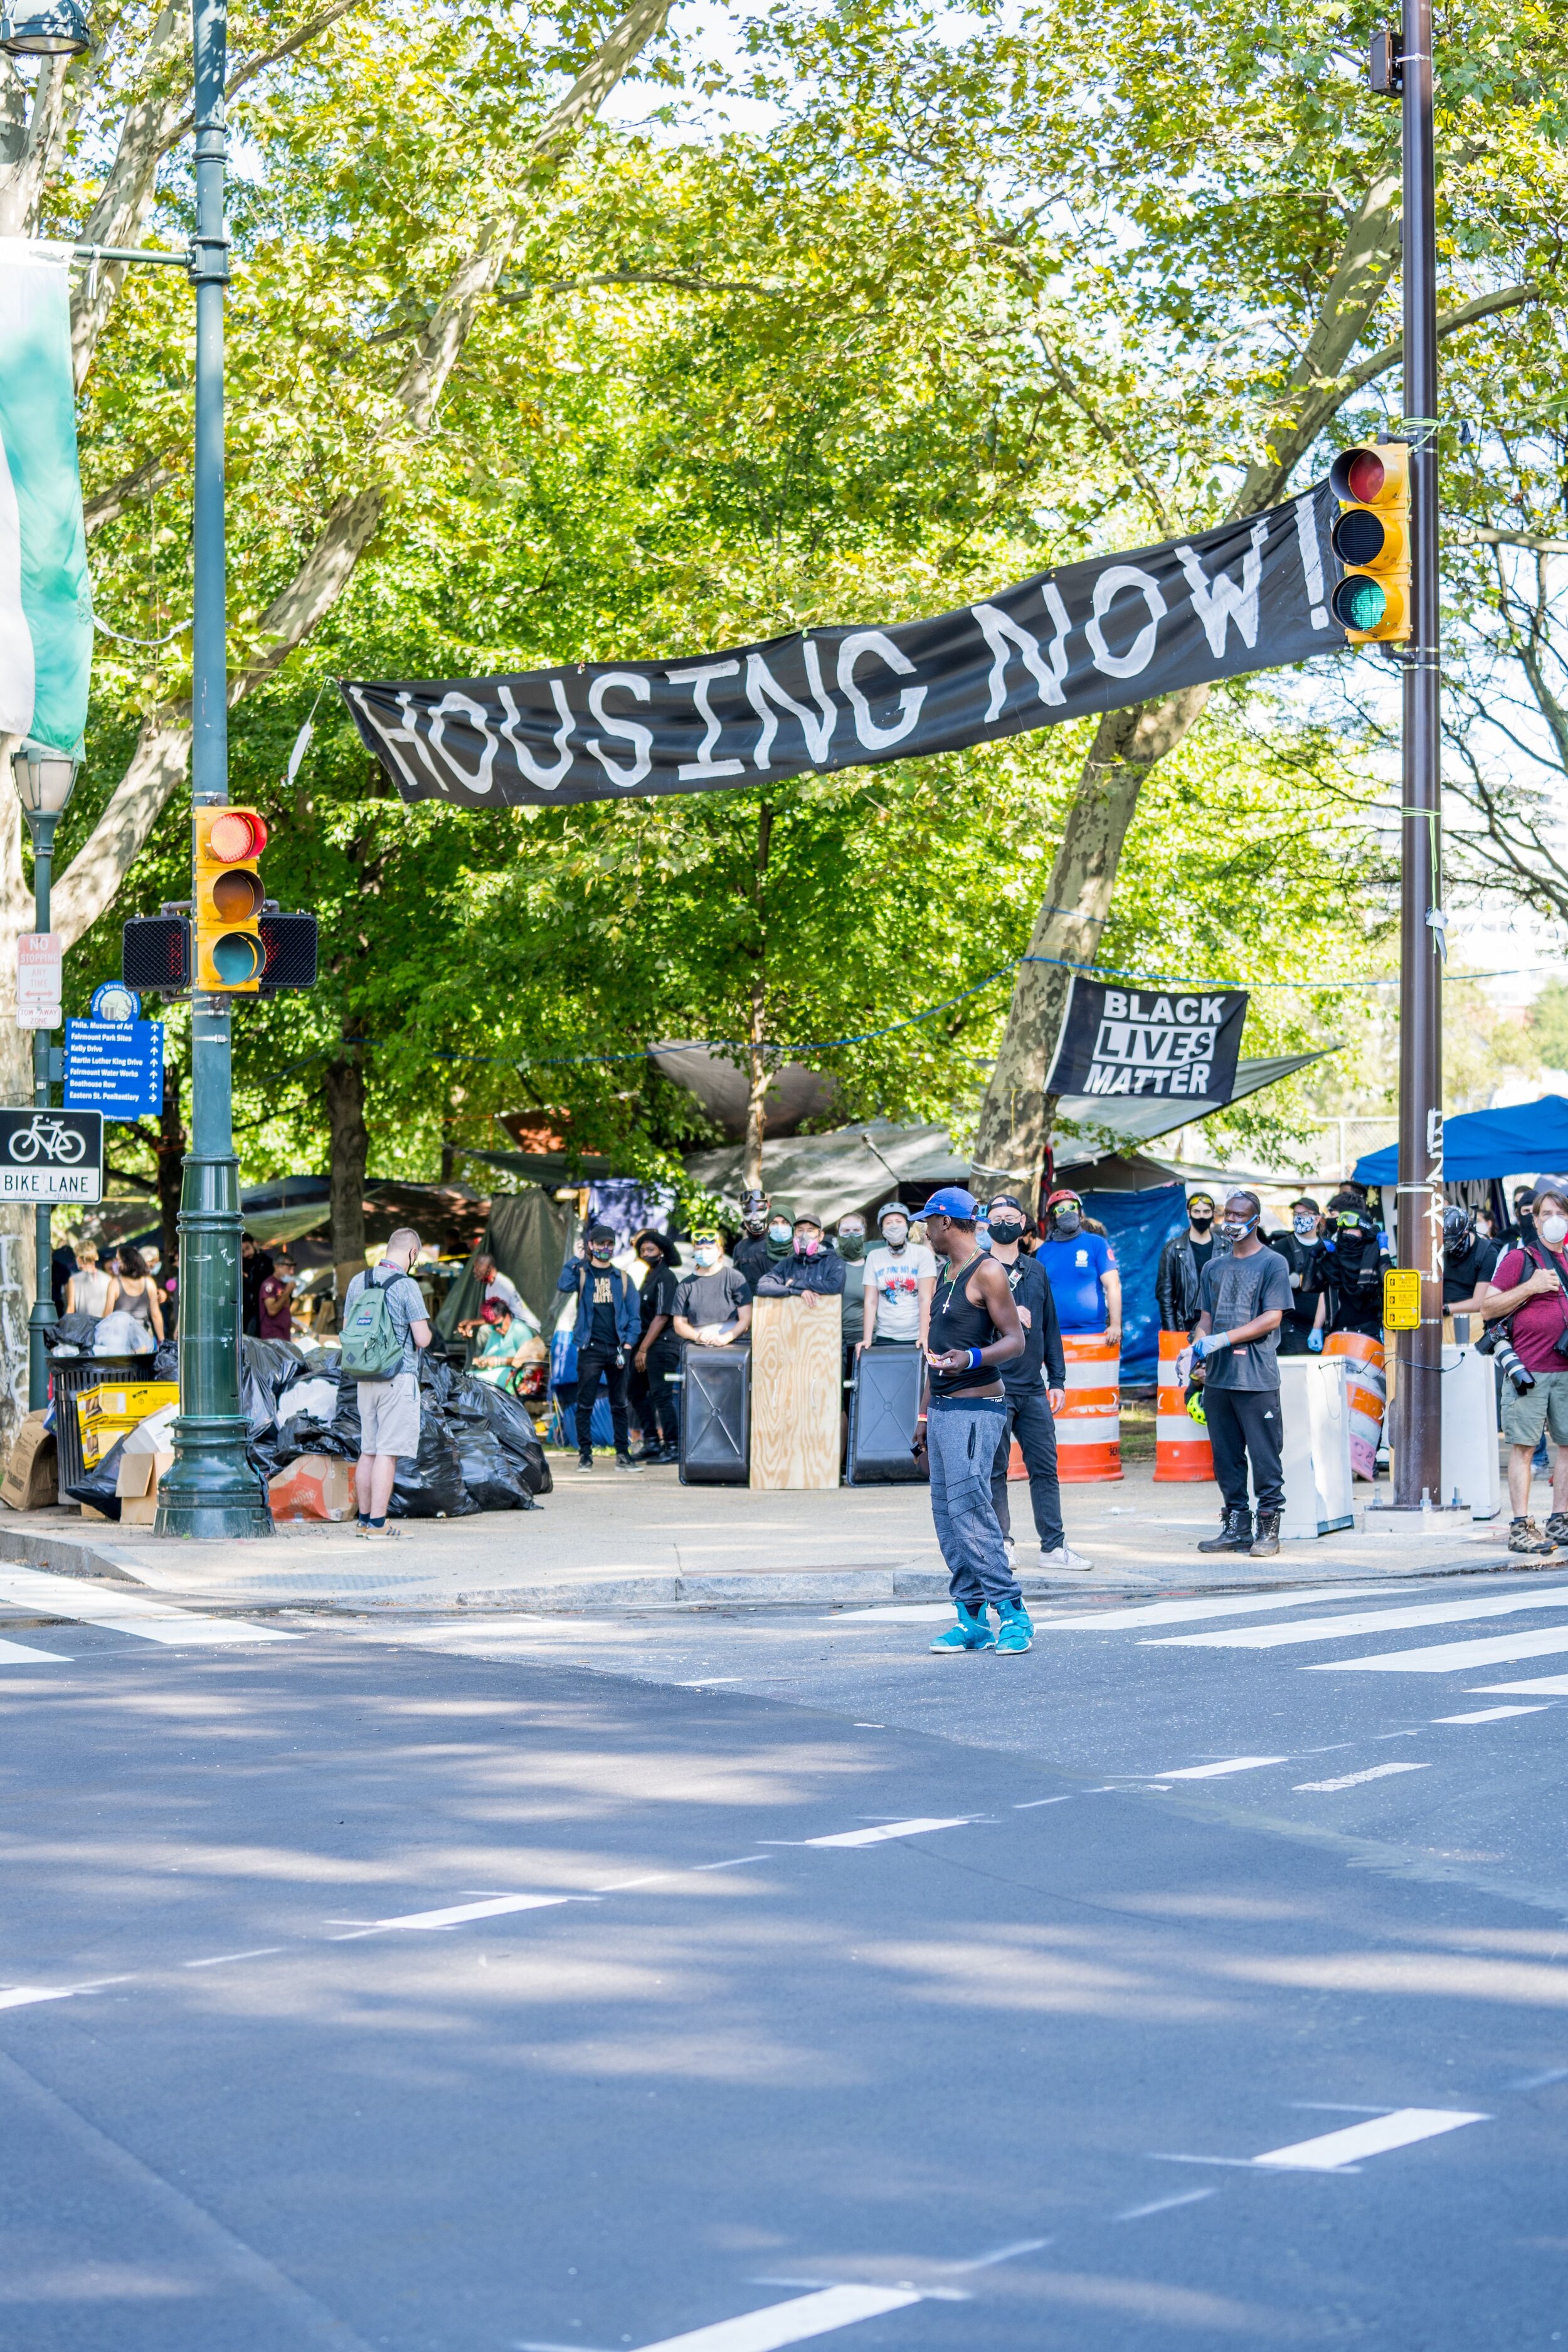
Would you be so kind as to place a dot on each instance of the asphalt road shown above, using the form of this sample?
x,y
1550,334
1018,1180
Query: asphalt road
x,y
739,1981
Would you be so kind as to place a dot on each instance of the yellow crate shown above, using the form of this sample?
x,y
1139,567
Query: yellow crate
x,y
133,1403
102,1434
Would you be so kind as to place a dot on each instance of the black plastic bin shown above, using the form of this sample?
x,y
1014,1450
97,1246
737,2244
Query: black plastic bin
x,y
715,1416
69,1376
884,1410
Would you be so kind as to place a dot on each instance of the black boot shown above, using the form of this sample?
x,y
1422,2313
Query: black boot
x,y
1235,1535
1266,1542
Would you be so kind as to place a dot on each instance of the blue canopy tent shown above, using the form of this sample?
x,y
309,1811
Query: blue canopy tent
x,y
1481,1145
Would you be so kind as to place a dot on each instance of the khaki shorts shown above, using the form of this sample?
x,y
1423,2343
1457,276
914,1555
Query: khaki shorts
x,y
1545,1406
389,1415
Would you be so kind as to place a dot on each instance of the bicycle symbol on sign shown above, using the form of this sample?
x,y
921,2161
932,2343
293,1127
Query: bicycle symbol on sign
x,y
52,1139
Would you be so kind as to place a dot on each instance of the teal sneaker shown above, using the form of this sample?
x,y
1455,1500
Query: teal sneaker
x,y
970,1632
1015,1631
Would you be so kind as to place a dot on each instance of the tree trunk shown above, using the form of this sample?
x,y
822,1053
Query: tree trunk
x,y
1015,1116
758,1073
170,1168
17,1266
350,1146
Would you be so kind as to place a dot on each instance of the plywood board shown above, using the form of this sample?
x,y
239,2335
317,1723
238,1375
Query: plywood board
x,y
798,1383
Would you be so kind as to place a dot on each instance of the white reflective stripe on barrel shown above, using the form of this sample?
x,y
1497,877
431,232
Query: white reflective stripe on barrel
x,y
1090,1429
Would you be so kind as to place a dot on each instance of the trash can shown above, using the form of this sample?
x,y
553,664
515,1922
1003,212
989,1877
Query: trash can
x,y
715,1416
884,1410
69,1376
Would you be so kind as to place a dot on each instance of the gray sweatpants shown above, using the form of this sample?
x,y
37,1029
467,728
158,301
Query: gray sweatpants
x,y
961,1438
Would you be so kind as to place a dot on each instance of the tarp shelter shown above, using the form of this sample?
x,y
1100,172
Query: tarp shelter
x,y
854,1168
1521,1140
1138,1225
529,1235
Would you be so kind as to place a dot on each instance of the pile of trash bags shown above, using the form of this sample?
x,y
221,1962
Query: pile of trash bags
x,y
478,1447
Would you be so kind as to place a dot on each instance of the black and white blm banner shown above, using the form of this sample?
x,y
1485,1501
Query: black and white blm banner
x,y
1086,638
1143,1041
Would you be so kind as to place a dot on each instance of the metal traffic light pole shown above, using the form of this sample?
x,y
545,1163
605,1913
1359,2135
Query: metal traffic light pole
x,y
210,1490
1418,1417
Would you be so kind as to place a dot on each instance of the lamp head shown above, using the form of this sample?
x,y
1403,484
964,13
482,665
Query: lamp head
x,y
43,778
56,28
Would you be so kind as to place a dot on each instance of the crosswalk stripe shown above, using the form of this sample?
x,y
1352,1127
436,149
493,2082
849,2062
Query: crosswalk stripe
x,y
1217,1771
795,2321
18,1654
1182,1612
1331,2151
1449,1657
1546,1685
126,1611
1365,1620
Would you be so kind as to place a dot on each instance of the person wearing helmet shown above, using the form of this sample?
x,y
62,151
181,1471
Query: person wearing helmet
x,y
751,1254
1080,1268
1353,1258
975,1331
1469,1261
901,1276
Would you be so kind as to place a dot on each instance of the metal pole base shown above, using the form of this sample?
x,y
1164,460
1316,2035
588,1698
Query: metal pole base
x,y
41,1322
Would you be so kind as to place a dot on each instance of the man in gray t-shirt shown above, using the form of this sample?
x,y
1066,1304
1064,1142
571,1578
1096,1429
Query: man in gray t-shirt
x,y
1243,1299
389,1409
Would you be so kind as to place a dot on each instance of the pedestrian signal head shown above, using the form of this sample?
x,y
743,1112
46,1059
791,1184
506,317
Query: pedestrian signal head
x,y
1372,541
227,897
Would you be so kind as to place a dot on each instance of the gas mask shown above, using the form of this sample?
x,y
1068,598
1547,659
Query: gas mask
x,y
1006,1230
1067,1224
807,1245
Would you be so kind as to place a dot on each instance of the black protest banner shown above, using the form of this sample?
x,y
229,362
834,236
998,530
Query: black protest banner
x,y
1086,638
1180,1042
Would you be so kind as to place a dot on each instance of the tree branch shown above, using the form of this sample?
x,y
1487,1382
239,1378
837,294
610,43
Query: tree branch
x,y
1507,297
148,478
1470,534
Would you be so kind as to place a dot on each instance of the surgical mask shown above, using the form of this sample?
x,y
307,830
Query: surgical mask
x,y
705,1254
895,1233
778,1233
1069,1222
1006,1230
1305,1227
851,1245
1552,1229
807,1245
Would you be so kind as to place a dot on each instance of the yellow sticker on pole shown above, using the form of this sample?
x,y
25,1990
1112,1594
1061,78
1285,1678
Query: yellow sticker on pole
x,y
1400,1299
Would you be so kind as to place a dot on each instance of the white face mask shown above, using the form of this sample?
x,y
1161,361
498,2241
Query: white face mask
x,y
1554,1230
895,1234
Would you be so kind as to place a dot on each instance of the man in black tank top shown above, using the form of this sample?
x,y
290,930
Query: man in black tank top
x,y
975,1329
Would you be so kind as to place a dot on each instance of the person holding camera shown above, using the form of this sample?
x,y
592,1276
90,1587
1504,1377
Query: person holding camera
x,y
1528,1296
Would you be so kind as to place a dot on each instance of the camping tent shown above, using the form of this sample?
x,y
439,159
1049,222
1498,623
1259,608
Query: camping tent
x,y
1521,1140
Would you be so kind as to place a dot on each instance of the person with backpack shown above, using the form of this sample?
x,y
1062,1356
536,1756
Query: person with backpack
x,y
384,1325
1527,1293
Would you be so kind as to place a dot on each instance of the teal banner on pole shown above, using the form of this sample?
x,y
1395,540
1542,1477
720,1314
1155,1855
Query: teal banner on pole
x,y
45,596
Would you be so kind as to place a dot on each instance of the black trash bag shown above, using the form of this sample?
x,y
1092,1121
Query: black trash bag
x,y
75,1331
494,1480
431,1486
96,1487
166,1361
510,1422
315,1429
344,1433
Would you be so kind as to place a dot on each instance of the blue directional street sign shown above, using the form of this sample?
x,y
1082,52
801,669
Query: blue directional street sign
x,y
115,1066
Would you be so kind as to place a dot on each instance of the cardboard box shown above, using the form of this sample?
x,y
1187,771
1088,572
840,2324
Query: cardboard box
x,y
31,1481
141,1475
106,1414
313,1487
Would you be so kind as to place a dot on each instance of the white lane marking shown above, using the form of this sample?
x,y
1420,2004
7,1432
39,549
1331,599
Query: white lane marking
x,y
1334,2150
1488,1715
734,1864
1539,2082
1365,1621
913,1612
221,1960
23,1995
1449,1657
124,1611
1549,1686
1182,1612
878,1836
1354,1780
710,1682
18,1654
999,2255
1216,1771
804,2316
456,1914
1164,2205
1033,1803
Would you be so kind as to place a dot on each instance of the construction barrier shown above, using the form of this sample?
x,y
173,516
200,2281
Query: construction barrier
x,y
1089,1427
1366,1388
1182,1448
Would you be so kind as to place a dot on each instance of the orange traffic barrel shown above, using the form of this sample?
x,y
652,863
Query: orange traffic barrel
x,y
1089,1427
1366,1394
1182,1448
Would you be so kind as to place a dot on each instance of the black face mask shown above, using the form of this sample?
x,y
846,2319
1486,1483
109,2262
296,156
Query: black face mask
x,y
1200,1224
1069,1222
1006,1230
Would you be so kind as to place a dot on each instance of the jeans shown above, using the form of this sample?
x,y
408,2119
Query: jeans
x,y
1030,1419
1243,1422
591,1363
962,1437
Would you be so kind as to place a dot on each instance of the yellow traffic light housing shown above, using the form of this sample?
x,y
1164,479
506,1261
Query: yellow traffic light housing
x,y
227,899
1371,539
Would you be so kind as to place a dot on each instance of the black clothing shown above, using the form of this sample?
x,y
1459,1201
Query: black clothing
x,y
1029,1421
1176,1284
1042,1333
598,1292
1202,1252
1465,1270
1242,1422
793,1276
591,1361
655,1391
656,1295
1350,1270
959,1322
253,1271
750,1257
1302,1258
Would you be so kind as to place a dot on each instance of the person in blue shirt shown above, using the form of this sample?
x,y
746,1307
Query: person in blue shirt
x,y
609,1325
1080,1266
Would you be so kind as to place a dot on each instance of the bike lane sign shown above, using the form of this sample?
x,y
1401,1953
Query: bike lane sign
x,y
51,1155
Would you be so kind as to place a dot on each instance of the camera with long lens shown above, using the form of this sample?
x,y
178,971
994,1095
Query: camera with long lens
x,y
1494,1341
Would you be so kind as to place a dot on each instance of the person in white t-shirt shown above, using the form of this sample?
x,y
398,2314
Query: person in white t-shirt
x,y
504,1291
901,1276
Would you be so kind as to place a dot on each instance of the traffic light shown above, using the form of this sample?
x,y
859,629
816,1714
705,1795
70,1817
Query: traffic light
x,y
1371,539
228,900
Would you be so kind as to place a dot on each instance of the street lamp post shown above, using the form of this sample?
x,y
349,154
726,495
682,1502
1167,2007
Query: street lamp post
x,y
44,780
210,1489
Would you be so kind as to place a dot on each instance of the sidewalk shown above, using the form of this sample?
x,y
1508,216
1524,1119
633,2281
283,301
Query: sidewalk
x,y
618,1541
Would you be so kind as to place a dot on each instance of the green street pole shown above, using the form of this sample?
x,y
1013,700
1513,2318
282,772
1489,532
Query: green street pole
x,y
210,1490
43,1318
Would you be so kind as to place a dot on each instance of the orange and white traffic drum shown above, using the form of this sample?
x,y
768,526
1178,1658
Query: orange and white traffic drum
x,y
1089,1427
1366,1393
1182,1448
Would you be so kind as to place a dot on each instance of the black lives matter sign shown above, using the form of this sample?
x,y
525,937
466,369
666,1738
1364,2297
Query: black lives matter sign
x,y
1176,1043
